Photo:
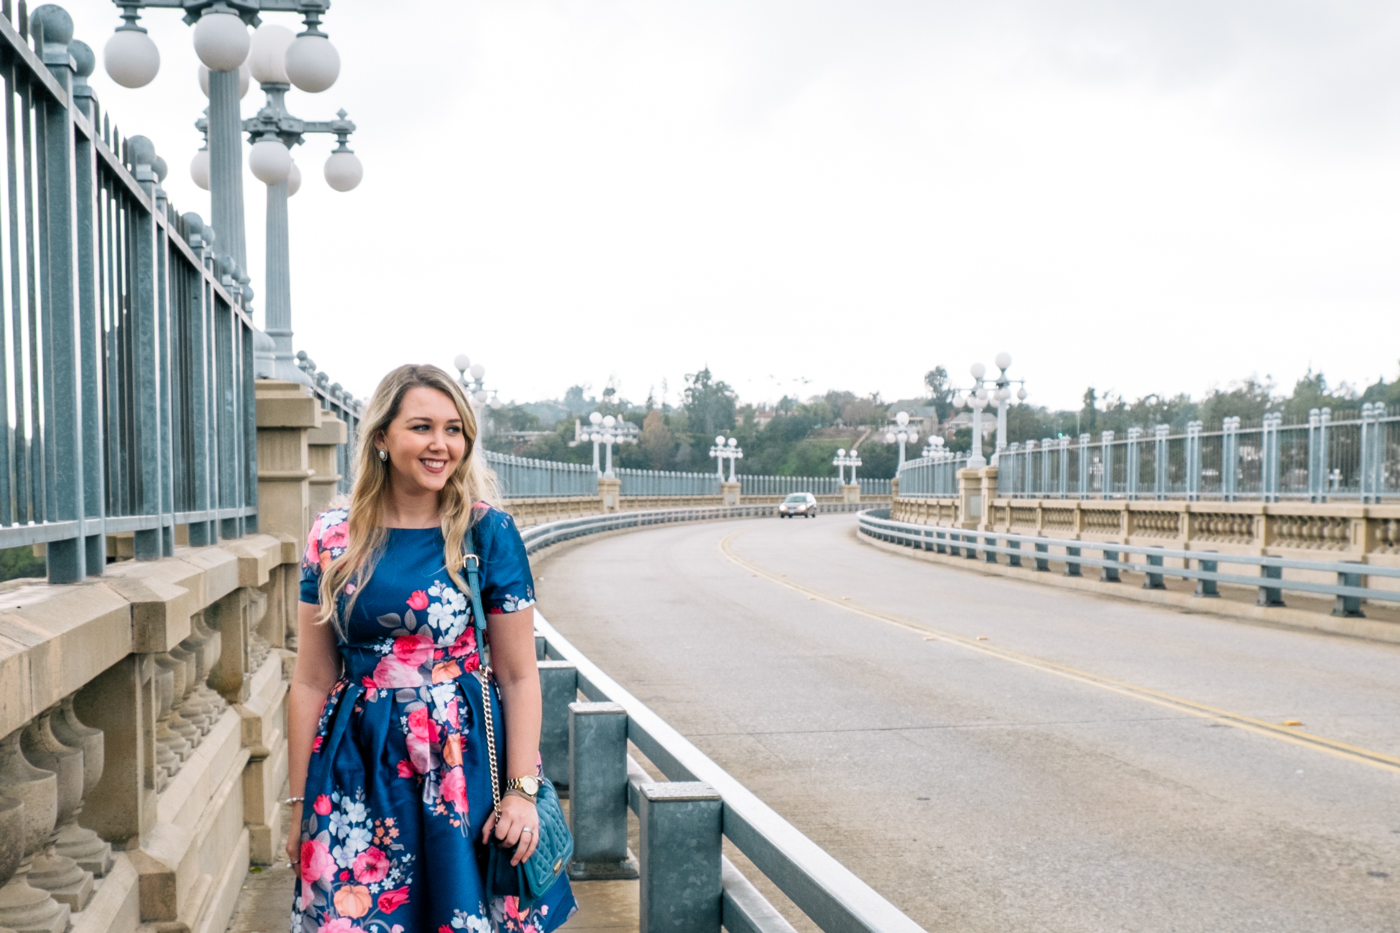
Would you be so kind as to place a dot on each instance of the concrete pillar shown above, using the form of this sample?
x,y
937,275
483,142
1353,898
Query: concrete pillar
x,y
969,498
681,834
894,489
988,482
598,791
850,493
730,492
286,413
610,493
323,444
121,702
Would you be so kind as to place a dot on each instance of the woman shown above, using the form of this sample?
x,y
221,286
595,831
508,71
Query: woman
x,y
388,758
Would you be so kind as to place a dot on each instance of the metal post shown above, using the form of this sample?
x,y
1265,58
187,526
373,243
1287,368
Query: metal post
x,y
1154,581
1014,559
1042,563
1028,482
1134,462
1372,452
1109,574
1045,467
1317,453
1064,467
1161,465
558,689
1270,595
1072,566
1106,442
226,164
1193,460
1230,459
67,559
1083,466
1348,606
1271,465
681,841
146,359
598,791
1207,587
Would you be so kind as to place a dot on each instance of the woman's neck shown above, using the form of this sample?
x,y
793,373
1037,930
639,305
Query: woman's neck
x,y
412,511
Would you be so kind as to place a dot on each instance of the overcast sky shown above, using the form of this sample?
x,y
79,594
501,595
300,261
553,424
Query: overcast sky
x,y
1143,197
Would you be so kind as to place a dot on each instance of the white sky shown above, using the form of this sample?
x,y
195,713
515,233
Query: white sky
x,y
814,194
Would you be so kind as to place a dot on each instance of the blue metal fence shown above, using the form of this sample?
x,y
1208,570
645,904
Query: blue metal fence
x,y
526,478
664,483
785,485
931,476
1354,456
126,377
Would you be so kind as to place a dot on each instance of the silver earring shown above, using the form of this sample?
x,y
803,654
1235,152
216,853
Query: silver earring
x,y
383,454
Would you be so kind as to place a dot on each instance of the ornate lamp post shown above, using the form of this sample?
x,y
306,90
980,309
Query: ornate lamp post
x,y
980,396
609,439
906,435
273,132
595,419
845,459
221,40
485,400
726,450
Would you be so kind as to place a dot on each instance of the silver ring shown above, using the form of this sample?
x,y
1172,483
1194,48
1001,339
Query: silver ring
x,y
527,830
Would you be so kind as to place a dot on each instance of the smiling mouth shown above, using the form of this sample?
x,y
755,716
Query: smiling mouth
x,y
434,466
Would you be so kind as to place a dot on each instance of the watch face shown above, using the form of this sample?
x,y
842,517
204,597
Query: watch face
x,y
530,785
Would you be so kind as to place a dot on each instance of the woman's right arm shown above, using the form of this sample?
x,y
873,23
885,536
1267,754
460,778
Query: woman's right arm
x,y
317,670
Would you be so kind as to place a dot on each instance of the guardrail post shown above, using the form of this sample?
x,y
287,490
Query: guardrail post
x,y
541,648
1014,559
939,545
1072,566
1042,563
1154,581
681,826
987,553
1205,587
1109,574
970,546
1270,595
598,792
1348,607
558,688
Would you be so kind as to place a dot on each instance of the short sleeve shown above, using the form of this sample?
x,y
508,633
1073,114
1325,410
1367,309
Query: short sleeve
x,y
330,534
506,582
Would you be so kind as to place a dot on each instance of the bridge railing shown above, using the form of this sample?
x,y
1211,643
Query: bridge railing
x,y
527,478
931,476
667,483
1354,582
126,376
1331,456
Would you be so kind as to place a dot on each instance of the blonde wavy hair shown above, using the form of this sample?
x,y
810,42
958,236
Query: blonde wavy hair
x,y
472,482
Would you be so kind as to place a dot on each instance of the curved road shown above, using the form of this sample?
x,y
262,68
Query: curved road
x,y
1094,764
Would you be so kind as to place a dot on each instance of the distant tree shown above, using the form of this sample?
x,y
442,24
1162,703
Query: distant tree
x,y
577,402
16,562
940,392
1247,399
1312,391
515,418
709,403
1089,412
655,441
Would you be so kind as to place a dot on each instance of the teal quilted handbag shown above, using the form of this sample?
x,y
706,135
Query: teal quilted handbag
x,y
529,880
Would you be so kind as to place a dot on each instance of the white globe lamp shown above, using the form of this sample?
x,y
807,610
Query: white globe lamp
x,y
478,372
609,421
221,41
719,440
480,395
267,60
131,57
343,170
270,161
312,63
978,370
293,180
199,169
1021,393
461,361
595,418
889,437
902,418
733,442
1003,361
840,451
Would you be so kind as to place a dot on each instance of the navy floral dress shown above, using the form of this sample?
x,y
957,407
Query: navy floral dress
x,y
398,788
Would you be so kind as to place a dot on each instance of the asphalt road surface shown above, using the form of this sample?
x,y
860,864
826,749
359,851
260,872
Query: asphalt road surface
x,y
1092,765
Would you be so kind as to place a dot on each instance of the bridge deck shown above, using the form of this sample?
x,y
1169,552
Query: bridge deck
x,y
1093,764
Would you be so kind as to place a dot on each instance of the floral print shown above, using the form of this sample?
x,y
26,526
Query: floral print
x,y
398,772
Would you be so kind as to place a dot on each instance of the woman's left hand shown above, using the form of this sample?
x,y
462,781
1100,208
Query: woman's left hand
x,y
517,824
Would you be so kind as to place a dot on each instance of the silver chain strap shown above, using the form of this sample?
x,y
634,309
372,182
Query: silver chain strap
x,y
490,738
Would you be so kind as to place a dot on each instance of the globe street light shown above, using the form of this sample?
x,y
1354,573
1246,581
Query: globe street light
x,y
273,132
905,435
980,396
609,438
595,419
222,43
844,459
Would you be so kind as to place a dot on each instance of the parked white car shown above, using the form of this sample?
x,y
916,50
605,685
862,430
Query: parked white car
x,y
799,503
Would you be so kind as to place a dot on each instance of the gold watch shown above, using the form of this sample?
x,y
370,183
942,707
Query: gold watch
x,y
529,785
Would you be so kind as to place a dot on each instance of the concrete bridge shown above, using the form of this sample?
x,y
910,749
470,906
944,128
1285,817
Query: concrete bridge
x,y
832,725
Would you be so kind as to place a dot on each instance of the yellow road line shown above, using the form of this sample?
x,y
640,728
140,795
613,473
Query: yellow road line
x,y
1238,720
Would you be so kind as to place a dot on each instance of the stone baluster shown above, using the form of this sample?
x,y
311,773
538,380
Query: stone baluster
x,y
211,652
197,706
167,762
189,717
24,908
185,734
52,871
78,842
11,838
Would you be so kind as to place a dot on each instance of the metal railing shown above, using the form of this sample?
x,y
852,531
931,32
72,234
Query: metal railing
x,y
126,348
664,483
753,485
875,487
1202,566
344,406
931,476
1352,456
526,478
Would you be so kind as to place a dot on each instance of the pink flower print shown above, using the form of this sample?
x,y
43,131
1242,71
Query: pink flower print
x,y
452,715
316,861
454,789
421,725
313,544
405,768
464,645
337,535
338,925
391,901
414,650
418,601
512,906
392,673
370,866
322,806
368,683
316,745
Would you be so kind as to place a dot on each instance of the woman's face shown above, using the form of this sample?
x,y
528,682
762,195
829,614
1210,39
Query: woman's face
x,y
425,441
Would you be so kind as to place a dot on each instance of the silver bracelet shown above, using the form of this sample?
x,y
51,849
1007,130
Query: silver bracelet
x,y
291,800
